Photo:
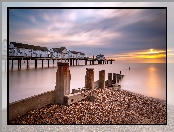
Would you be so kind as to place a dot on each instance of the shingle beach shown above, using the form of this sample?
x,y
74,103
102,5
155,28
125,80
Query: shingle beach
x,y
110,106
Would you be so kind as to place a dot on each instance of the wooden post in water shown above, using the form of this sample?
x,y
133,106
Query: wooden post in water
x,y
27,64
35,63
76,62
62,87
89,78
18,64
114,77
102,79
117,76
120,72
12,64
42,63
109,79
48,62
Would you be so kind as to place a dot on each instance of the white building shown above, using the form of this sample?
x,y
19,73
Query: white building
x,y
59,52
100,57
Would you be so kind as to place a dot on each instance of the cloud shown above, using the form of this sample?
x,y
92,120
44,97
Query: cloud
x,y
109,32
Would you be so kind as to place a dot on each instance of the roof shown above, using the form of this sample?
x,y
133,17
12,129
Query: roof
x,y
81,53
26,46
74,52
100,55
44,49
58,49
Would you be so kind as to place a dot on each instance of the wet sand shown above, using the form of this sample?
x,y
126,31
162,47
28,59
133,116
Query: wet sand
x,y
111,106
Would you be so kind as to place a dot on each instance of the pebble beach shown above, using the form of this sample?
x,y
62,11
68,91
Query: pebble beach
x,y
110,106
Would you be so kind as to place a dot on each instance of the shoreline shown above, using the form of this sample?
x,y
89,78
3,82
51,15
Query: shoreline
x,y
110,106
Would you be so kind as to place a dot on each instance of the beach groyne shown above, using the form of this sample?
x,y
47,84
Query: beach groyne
x,y
21,107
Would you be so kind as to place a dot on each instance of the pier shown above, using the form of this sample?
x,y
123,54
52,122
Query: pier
x,y
71,61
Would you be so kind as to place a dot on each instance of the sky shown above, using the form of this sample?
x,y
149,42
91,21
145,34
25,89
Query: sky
x,y
128,35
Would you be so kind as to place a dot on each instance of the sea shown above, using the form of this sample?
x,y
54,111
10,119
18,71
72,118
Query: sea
x,y
148,79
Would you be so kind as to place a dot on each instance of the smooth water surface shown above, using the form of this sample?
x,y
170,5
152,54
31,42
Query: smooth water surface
x,y
147,79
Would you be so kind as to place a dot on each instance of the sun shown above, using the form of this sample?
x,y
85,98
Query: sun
x,y
151,50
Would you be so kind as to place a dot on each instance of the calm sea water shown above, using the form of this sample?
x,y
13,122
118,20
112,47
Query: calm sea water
x,y
147,79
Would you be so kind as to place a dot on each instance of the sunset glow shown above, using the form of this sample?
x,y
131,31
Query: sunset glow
x,y
140,36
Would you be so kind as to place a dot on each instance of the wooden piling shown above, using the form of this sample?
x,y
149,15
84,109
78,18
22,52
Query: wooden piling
x,y
102,79
18,64
89,78
109,79
48,62
42,63
114,77
62,87
27,64
12,64
35,63
76,62
73,61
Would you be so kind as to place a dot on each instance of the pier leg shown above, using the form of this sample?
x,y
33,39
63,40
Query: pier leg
x,y
62,87
20,64
102,79
35,63
120,72
109,79
85,62
42,63
48,62
73,62
117,76
89,78
12,64
76,62
27,64
114,77
70,62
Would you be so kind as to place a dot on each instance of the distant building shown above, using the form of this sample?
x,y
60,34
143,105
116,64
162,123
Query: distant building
x,y
100,57
19,49
59,52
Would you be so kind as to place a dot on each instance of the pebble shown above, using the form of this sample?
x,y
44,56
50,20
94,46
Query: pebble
x,y
111,106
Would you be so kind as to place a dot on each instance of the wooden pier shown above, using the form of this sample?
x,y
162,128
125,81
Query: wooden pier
x,y
71,61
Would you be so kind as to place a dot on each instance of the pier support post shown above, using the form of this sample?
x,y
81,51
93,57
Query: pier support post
x,y
42,63
102,79
12,64
18,64
118,78
27,64
35,63
76,62
107,61
62,87
48,62
114,77
85,62
120,72
109,79
73,62
53,62
89,78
